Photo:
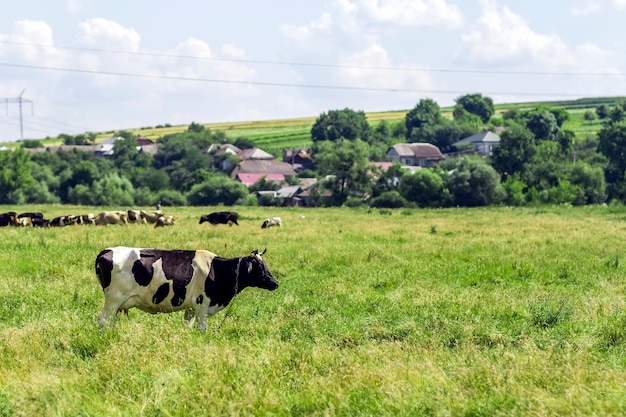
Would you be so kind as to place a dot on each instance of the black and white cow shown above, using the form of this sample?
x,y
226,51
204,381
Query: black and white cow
x,y
221,217
272,221
163,281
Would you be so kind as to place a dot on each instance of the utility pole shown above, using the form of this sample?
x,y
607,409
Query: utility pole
x,y
19,100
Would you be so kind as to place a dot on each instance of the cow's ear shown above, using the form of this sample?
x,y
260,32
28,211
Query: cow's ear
x,y
254,253
264,250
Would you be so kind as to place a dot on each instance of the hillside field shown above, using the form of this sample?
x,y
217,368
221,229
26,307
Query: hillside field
x,y
453,312
275,135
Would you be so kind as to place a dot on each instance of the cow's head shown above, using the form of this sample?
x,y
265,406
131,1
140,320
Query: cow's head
x,y
254,272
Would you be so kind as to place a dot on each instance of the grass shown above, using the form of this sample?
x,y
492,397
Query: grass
x,y
494,311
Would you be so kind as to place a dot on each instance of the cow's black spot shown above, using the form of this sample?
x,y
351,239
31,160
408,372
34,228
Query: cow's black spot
x,y
200,299
104,266
161,293
142,271
179,294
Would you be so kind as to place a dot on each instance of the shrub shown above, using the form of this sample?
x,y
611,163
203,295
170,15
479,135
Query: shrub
x,y
389,199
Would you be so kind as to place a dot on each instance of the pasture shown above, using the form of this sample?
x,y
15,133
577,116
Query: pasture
x,y
456,312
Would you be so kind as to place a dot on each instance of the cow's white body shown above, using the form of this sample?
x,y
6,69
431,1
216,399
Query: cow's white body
x,y
272,221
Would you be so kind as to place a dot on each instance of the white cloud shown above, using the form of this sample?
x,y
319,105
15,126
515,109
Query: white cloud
x,y
502,37
74,7
437,13
107,34
304,32
363,69
597,6
32,42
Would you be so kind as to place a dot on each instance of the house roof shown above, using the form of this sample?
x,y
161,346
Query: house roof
x,y
419,150
222,149
383,165
249,179
484,137
262,166
288,191
254,153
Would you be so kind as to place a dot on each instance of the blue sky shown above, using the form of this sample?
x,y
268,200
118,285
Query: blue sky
x,y
88,65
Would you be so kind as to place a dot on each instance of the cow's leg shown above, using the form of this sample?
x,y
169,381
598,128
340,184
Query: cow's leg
x,y
202,312
189,317
112,304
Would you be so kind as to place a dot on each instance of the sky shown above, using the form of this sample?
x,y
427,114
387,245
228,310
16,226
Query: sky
x,y
76,66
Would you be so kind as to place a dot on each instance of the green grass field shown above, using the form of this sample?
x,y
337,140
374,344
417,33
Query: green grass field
x,y
456,312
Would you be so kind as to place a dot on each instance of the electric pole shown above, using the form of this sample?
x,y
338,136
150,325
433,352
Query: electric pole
x,y
19,100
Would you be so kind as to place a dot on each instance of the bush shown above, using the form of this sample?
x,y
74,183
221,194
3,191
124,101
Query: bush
x,y
171,198
388,199
217,190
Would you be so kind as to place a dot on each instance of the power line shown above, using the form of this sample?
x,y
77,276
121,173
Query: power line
x,y
318,65
272,84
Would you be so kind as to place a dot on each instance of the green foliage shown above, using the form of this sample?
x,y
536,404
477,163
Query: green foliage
x,y
388,199
216,190
517,146
171,198
478,105
514,188
341,124
346,161
426,112
474,183
15,176
426,188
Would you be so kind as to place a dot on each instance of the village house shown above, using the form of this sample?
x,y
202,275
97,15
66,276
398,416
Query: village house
x,y
415,154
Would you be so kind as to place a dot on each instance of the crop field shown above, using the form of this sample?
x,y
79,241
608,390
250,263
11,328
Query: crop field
x,y
455,312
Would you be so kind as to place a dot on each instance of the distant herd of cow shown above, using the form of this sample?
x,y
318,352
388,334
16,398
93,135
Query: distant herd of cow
x,y
106,217
121,217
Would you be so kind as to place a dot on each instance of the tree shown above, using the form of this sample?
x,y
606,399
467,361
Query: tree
x,y
338,124
478,105
346,162
425,188
218,189
602,111
516,148
474,183
543,124
426,112
15,176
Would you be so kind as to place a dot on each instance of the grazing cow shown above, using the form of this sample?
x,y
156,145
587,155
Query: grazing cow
x,y
89,219
111,217
36,215
163,221
136,216
163,281
61,221
40,222
272,221
8,219
220,217
151,216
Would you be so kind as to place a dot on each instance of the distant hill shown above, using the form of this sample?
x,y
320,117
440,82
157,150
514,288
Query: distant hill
x,y
273,135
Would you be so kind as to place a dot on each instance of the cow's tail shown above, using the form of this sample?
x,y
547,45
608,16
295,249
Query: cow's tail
x,y
104,266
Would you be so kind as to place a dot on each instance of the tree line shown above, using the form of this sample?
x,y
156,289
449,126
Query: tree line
x,y
537,162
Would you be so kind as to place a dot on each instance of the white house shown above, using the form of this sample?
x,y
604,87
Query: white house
x,y
483,142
